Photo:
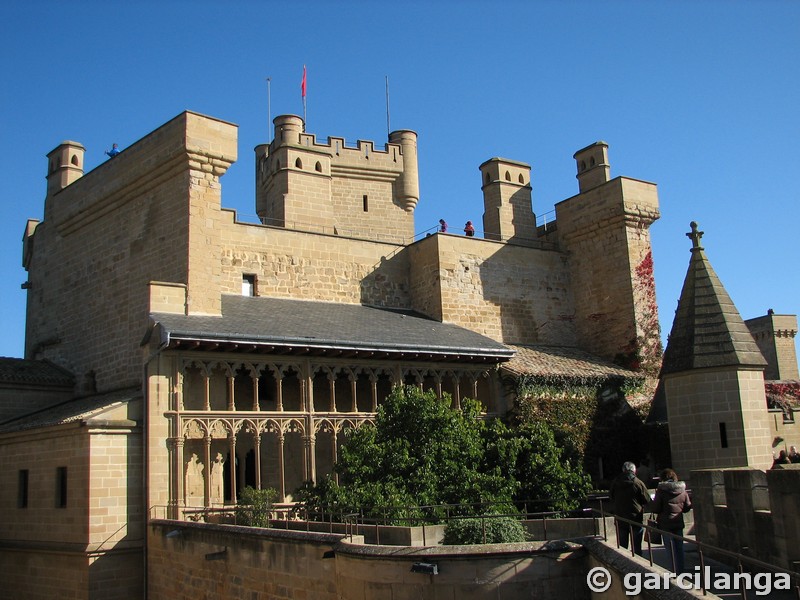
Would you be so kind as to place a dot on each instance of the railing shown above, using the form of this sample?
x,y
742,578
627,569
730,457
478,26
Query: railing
x,y
741,561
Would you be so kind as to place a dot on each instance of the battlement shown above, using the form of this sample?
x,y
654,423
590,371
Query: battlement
x,y
361,188
750,511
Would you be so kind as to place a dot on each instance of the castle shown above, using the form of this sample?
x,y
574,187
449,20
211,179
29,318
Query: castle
x,y
175,354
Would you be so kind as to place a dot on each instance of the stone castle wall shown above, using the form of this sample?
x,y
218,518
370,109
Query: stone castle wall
x,y
750,511
605,232
197,560
513,294
110,233
97,538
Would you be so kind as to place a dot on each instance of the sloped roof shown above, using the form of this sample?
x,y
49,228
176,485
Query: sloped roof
x,y
77,409
562,361
261,324
33,372
708,330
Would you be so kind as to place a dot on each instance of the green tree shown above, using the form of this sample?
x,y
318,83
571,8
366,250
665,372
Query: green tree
x,y
421,452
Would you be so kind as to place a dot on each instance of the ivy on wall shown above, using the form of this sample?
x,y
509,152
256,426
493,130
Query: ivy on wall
x,y
643,353
591,418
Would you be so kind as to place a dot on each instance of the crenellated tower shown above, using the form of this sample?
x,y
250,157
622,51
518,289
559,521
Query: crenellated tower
x,y
337,189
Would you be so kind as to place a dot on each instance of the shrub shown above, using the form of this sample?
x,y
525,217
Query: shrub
x,y
499,530
255,506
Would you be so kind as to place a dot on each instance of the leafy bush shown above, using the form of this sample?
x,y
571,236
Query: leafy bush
x,y
255,506
422,454
499,530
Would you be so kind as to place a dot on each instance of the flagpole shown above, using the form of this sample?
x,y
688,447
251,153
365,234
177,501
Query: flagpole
x,y
269,108
388,127
303,92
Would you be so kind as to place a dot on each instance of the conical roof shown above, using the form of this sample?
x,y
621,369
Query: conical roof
x,y
708,330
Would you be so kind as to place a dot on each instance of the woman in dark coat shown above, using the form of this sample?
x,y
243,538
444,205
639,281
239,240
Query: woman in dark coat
x,y
669,504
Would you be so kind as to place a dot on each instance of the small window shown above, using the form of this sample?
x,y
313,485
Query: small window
x,y
591,161
22,489
318,167
488,179
75,159
521,179
723,435
298,163
366,203
61,487
508,176
248,285
583,165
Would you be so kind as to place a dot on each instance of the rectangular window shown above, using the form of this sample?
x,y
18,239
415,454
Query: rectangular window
x,y
723,435
22,489
248,285
366,203
61,487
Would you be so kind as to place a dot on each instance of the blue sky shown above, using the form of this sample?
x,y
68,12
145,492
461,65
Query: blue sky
x,y
699,97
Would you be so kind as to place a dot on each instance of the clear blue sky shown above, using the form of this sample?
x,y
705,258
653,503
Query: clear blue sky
x,y
700,97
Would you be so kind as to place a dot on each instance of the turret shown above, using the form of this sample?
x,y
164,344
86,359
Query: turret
x,y
593,167
64,165
507,200
408,182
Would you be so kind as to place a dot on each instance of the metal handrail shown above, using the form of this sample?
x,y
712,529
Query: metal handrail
x,y
702,548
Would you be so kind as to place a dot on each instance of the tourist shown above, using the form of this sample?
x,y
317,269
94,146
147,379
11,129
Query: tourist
x,y
629,495
469,229
442,226
114,151
782,459
669,504
794,456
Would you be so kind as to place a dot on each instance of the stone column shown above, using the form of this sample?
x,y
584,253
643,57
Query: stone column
x,y
257,444
232,466
281,468
207,471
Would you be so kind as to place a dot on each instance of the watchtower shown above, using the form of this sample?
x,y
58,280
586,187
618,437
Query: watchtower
x,y
507,200
64,165
337,189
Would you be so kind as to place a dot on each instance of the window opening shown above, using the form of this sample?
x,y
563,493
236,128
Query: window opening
x,y
61,487
366,203
22,489
723,435
248,285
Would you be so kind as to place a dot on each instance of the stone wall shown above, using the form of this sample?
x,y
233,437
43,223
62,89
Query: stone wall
x,y
311,266
696,434
75,551
510,293
110,233
187,560
750,511
604,230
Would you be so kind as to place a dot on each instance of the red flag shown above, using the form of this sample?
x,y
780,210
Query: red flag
x,y
303,83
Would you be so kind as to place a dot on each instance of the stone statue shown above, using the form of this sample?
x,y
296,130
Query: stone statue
x,y
217,480
195,494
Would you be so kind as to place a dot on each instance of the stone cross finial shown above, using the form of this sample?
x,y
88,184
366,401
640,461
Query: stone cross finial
x,y
695,236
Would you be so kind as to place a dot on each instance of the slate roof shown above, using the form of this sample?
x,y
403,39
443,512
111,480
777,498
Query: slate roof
x,y
78,409
562,361
33,372
708,330
285,325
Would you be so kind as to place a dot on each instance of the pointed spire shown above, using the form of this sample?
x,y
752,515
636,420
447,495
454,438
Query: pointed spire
x,y
708,330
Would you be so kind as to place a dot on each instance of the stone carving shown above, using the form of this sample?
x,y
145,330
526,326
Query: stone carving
x,y
217,480
195,494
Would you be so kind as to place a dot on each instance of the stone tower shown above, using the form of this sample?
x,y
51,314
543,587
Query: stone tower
x,y
775,335
64,165
337,189
507,208
713,378
605,232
